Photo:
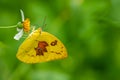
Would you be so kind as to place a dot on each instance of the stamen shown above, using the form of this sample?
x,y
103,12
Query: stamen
x,y
26,25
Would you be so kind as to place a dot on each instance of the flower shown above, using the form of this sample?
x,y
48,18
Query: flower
x,y
19,34
21,29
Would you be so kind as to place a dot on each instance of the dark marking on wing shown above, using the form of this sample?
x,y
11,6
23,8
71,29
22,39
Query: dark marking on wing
x,y
30,55
54,43
41,48
58,53
62,47
55,52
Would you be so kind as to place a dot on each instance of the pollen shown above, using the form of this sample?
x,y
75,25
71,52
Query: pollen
x,y
26,25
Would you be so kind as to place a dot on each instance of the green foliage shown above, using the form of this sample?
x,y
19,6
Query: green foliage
x,y
89,29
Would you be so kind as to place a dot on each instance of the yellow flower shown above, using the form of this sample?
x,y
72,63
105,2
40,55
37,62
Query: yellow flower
x,y
26,25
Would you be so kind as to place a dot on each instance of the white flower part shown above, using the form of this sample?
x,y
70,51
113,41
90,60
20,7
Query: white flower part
x,y
18,29
19,34
22,15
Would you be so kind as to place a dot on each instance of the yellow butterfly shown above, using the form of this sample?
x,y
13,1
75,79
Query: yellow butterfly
x,y
41,46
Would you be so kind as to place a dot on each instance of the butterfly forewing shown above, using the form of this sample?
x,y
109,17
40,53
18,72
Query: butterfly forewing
x,y
41,47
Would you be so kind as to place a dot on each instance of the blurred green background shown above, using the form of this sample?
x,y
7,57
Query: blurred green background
x,y
90,30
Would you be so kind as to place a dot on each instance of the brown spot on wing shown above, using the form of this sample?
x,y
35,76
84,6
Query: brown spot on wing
x,y
55,52
62,47
61,51
30,55
52,51
54,43
58,53
41,48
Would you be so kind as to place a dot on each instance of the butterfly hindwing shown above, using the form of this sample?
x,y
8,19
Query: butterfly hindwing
x,y
41,47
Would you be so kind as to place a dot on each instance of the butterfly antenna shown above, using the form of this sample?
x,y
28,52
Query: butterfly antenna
x,y
44,24
22,15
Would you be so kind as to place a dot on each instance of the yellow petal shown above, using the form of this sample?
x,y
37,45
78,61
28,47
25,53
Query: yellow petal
x,y
26,25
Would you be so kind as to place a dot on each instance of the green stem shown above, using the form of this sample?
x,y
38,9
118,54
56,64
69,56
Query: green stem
x,y
9,26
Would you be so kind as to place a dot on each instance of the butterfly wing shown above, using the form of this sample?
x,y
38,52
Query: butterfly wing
x,y
41,47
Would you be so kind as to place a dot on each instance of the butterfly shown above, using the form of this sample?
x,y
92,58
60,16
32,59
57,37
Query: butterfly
x,y
41,46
